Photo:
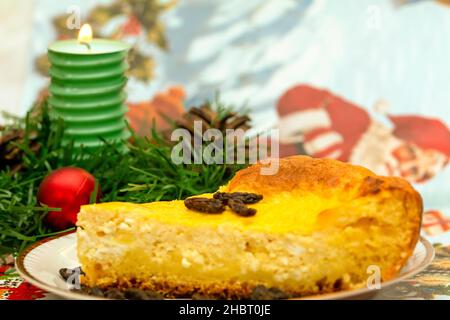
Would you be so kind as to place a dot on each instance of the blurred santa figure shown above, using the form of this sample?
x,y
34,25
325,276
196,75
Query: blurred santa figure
x,y
320,124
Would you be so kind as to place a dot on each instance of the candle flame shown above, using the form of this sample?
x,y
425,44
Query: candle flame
x,y
85,34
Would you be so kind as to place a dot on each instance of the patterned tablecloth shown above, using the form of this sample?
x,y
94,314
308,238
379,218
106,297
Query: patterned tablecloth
x,y
432,283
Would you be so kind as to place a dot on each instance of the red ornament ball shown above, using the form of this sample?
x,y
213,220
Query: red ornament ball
x,y
67,189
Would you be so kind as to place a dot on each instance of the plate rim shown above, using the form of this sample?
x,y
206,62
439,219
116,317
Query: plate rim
x,y
25,274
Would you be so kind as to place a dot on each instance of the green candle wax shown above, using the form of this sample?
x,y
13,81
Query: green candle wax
x,y
87,90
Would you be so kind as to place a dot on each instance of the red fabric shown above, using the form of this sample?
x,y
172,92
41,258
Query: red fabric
x,y
26,291
301,97
424,132
289,149
347,119
435,223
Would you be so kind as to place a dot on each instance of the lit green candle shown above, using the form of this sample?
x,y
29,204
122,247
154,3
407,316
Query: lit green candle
x,y
87,88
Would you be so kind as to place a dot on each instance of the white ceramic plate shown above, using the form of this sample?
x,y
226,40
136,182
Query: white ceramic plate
x,y
40,263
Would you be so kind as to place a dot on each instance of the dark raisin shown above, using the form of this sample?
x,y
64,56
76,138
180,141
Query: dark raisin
x,y
338,284
65,273
205,205
245,197
239,207
198,296
321,283
261,292
138,294
153,295
134,294
96,291
114,294
222,196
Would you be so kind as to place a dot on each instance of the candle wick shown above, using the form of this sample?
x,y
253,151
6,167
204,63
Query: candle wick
x,y
86,44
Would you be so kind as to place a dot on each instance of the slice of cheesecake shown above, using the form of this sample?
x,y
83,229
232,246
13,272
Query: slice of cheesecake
x,y
321,226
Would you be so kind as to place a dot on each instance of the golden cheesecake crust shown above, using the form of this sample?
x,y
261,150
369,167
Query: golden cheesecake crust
x,y
321,176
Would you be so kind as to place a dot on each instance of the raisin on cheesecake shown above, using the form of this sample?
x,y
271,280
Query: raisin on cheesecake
x,y
315,227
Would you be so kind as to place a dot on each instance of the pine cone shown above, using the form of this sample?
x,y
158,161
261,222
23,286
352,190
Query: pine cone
x,y
211,119
15,139
11,155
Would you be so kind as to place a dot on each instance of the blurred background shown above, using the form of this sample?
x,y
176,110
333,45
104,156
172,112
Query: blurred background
x,y
364,81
